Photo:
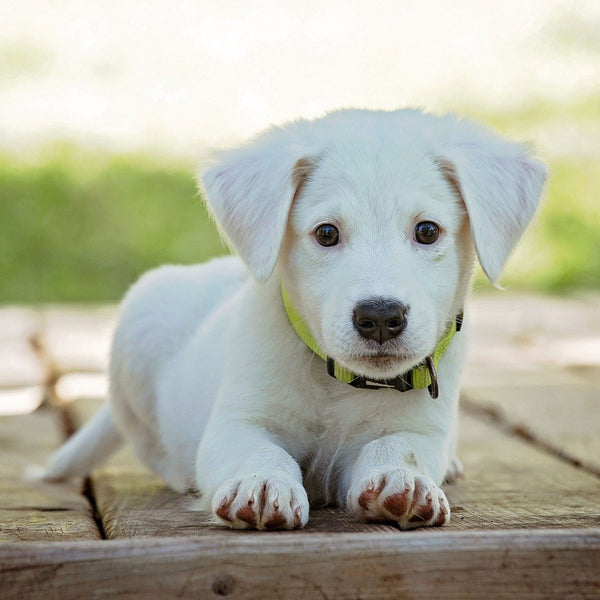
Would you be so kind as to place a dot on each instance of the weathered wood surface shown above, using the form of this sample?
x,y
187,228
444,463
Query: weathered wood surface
x,y
526,518
554,408
513,484
19,365
31,510
509,484
423,564
519,331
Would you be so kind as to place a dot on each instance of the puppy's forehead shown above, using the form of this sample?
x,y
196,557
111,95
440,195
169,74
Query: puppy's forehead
x,y
387,176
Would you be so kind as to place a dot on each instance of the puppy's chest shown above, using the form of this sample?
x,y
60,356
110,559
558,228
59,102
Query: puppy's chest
x,y
325,431
344,427
323,421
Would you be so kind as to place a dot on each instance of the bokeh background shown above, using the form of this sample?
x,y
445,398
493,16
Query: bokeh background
x,y
107,107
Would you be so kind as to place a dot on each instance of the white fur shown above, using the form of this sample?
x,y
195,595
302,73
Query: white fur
x,y
214,389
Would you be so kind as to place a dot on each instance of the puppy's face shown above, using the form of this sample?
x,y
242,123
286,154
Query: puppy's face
x,y
375,251
374,219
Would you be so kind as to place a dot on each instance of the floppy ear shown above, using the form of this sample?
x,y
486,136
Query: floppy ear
x,y
250,191
500,185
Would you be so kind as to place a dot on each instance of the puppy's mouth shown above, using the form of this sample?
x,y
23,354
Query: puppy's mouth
x,y
383,364
382,359
368,358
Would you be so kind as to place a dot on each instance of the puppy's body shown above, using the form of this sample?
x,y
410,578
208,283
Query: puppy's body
x,y
217,391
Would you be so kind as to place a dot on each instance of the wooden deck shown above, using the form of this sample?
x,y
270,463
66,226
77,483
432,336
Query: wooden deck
x,y
525,519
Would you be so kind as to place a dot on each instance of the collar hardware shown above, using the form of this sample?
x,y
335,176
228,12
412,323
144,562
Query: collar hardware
x,y
421,376
459,320
402,383
434,386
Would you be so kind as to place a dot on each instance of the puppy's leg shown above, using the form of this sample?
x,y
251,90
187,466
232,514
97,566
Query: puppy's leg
x,y
394,479
455,470
256,483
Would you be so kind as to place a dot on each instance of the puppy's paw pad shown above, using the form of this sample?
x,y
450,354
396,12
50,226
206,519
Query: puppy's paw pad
x,y
398,504
368,498
264,502
397,495
370,492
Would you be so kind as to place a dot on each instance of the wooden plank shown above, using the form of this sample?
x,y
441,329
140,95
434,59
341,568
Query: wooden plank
x,y
31,510
423,564
558,409
140,505
523,330
21,400
509,484
512,484
19,365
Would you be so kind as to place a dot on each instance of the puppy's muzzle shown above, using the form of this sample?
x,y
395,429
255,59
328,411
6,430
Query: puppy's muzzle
x,y
379,319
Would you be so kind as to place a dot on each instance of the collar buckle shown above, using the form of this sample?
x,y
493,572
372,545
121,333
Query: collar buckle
x,y
434,386
402,383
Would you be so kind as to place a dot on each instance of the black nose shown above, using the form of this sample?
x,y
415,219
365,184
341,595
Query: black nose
x,y
379,319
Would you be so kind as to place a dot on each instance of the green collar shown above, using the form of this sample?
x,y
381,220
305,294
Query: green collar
x,y
422,376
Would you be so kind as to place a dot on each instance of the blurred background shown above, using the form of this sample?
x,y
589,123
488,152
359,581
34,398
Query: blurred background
x,y
107,107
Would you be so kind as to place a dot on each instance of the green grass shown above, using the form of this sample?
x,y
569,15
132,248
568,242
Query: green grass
x,y
518,122
561,250
82,226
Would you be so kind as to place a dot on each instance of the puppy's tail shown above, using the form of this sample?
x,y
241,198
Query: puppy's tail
x,y
86,448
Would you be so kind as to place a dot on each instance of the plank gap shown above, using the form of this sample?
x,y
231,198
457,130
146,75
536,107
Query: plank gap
x,y
90,494
32,510
69,425
496,418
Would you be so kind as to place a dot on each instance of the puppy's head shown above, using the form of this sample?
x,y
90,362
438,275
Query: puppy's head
x,y
373,219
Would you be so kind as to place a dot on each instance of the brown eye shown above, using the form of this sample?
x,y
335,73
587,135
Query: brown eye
x,y
426,232
327,235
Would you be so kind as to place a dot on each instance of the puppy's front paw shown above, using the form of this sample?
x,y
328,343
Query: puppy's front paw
x,y
263,502
397,495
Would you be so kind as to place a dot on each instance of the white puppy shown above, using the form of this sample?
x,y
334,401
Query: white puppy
x,y
367,224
